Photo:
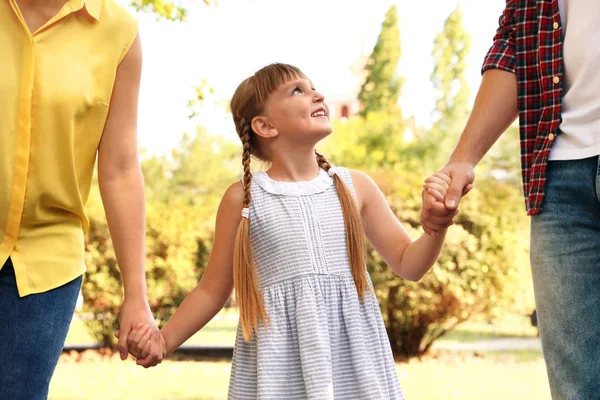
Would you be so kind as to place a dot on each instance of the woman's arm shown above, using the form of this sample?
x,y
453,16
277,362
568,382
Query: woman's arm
x,y
122,189
407,258
216,285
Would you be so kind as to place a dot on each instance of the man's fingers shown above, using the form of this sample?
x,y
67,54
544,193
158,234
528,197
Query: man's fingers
x,y
437,227
437,209
467,189
462,177
440,221
453,196
433,223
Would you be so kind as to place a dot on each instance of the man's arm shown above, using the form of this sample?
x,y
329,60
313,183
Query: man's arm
x,y
494,110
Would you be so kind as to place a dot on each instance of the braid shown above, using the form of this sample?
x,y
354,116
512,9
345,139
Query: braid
x,y
246,153
323,163
355,239
245,281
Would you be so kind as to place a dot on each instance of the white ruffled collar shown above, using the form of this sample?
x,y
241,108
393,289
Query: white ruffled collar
x,y
319,184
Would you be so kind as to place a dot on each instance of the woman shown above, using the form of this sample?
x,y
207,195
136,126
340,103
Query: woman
x,y
69,89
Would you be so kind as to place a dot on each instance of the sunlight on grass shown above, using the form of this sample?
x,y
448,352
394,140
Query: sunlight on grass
x,y
446,376
510,326
220,331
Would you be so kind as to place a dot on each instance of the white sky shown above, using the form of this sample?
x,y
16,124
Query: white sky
x,y
227,43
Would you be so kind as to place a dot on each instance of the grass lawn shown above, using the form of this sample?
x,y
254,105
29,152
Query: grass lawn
x,y
442,376
221,331
510,326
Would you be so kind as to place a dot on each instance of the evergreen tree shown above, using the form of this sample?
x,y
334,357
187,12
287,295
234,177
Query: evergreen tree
x,y
451,47
381,89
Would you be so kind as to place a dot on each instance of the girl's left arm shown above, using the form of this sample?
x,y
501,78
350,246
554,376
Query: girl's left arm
x,y
122,189
407,258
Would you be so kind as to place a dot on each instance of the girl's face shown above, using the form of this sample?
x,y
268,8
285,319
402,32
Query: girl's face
x,y
296,109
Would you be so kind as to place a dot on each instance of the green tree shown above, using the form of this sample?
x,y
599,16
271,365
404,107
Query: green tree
x,y
450,50
374,141
381,89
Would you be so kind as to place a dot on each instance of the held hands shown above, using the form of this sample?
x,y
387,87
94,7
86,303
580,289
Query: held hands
x,y
437,186
141,341
442,193
135,311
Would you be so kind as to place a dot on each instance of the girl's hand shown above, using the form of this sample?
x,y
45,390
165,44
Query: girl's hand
x,y
141,340
157,340
437,185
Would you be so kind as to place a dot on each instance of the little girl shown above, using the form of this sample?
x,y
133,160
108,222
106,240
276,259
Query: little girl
x,y
291,242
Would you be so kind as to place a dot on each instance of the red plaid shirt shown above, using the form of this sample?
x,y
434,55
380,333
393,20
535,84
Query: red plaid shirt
x,y
529,43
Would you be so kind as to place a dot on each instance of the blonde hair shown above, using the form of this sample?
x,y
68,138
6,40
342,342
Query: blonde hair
x,y
247,102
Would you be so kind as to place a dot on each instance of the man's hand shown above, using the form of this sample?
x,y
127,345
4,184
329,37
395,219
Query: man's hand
x,y
436,215
133,313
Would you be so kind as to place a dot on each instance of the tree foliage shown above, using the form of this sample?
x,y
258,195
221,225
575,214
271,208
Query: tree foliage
x,y
183,192
381,89
450,50
484,264
483,268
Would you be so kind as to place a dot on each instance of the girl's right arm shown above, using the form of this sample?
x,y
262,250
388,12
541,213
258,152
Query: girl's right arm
x,y
216,285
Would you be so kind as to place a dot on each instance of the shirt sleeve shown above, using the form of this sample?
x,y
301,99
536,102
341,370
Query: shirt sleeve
x,y
502,53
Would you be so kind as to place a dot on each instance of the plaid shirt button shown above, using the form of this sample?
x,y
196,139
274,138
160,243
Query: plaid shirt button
x,y
555,25
556,79
551,137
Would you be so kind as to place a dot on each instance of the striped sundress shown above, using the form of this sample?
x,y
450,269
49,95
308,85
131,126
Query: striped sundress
x,y
322,341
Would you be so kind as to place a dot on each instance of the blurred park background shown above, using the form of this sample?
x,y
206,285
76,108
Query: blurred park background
x,y
400,78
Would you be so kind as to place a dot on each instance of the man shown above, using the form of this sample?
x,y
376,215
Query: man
x,y
543,66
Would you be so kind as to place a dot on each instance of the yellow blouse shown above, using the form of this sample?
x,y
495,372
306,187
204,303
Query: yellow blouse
x,y
55,88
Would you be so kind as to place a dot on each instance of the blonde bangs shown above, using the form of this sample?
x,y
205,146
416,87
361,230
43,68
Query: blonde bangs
x,y
269,78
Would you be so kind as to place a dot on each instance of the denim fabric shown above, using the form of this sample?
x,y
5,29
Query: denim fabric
x,y
32,334
565,261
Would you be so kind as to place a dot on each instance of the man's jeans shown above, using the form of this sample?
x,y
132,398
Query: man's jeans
x,y
32,334
565,261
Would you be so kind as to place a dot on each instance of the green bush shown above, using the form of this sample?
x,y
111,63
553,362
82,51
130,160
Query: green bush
x,y
176,254
479,270
483,268
183,192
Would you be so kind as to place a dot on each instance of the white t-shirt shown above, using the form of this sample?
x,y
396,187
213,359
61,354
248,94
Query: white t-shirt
x,y
580,137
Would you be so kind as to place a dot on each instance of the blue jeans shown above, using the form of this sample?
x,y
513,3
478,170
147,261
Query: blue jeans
x,y
32,334
565,261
